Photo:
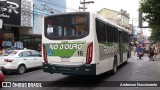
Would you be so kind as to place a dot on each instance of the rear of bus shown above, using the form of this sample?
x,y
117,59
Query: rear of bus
x,y
68,44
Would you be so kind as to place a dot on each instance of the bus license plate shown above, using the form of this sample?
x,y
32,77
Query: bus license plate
x,y
65,60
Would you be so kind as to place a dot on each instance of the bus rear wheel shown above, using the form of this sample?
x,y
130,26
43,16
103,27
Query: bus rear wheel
x,y
114,70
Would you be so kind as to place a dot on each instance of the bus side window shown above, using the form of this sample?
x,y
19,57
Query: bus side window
x,y
100,29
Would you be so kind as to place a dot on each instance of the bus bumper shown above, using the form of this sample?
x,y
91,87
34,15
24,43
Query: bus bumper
x,y
70,70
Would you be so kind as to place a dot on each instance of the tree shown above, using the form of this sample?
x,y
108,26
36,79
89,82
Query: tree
x,y
151,9
155,35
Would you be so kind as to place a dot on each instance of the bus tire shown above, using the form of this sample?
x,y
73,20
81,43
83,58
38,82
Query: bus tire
x,y
114,70
127,58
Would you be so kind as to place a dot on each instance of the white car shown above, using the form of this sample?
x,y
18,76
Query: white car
x,y
20,60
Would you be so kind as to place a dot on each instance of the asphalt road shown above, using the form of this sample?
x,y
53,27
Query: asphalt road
x,y
134,70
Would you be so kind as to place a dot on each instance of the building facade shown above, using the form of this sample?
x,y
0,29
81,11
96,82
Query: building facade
x,y
109,14
42,8
17,18
23,19
124,18
135,34
119,17
140,35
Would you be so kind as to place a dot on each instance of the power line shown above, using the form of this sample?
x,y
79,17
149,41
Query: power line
x,y
58,5
48,8
51,8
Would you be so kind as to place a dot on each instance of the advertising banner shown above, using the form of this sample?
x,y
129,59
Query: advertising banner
x,y
27,13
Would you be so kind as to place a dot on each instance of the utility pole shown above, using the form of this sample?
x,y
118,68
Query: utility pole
x,y
84,4
1,24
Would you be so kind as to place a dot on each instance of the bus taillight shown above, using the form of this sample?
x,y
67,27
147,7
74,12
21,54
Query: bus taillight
x,y
89,53
45,54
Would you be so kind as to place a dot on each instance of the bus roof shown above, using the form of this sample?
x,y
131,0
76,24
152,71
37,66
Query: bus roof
x,y
66,13
111,22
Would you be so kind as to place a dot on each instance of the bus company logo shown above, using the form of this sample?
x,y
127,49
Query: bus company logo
x,y
66,46
109,49
6,84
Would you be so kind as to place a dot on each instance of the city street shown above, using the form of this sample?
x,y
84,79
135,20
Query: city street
x,y
134,70
83,37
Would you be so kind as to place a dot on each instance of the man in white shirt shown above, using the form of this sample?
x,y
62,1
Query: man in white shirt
x,y
18,45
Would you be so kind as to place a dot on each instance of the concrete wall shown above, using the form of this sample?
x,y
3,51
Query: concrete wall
x,y
109,14
25,30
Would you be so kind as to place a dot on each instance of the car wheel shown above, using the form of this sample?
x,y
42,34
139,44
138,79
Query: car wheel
x,y
114,70
21,69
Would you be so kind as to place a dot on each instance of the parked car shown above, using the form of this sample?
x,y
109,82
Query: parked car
x,y
1,78
20,61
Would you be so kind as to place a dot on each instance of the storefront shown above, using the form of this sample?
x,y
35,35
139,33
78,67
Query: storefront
x,y
10,33
17,19
31,41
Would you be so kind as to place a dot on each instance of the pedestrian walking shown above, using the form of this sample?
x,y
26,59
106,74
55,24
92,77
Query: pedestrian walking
x,y
156,51
134,49
1,52
18,45
7,43
147,48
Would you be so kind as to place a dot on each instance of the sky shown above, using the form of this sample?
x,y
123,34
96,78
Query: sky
x,y
131,6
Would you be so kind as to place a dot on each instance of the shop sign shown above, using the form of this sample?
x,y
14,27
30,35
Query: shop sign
x,y
10,11
27,13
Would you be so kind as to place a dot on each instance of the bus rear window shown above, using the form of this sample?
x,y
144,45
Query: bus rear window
x,y
72,26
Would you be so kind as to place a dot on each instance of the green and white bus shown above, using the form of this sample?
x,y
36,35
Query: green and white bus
x,y
83,43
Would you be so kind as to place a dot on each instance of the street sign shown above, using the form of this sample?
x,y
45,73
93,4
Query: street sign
x,y
142,23
1,23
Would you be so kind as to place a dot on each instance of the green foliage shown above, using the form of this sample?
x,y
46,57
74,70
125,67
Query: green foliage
x,y
155,35
151,9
